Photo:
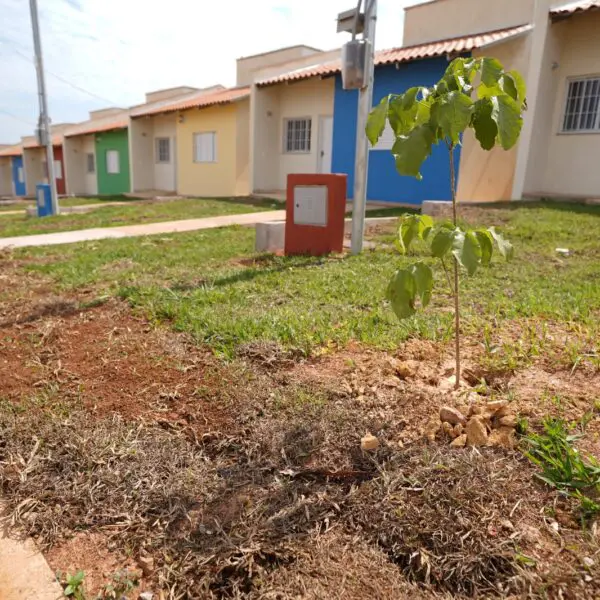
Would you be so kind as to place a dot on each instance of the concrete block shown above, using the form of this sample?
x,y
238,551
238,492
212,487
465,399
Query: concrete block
x,y
270,237
437,208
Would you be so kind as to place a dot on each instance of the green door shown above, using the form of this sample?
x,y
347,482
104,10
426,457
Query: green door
x,y
112,162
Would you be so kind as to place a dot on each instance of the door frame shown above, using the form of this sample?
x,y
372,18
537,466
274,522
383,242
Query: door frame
x,y
322,119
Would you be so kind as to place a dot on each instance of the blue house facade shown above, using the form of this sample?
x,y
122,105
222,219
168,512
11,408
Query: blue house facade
x,y
384,182
18,175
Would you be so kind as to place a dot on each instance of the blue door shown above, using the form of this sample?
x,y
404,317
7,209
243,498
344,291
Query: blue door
x,y
18,175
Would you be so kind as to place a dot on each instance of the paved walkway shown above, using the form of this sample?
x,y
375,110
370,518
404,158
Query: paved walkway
x,y
88,235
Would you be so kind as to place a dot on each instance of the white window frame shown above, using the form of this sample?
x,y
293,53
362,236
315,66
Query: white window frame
x,y
211,156
87,163
157,151
386,141
307,149
109,170
579,131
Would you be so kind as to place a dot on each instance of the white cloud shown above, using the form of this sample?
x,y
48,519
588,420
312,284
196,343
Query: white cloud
x,y
120,49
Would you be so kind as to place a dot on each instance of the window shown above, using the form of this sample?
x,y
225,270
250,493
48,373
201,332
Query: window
x,y
581,111
163,150
112,162
297,135
387,139
20,175
58,169
205,147
90,162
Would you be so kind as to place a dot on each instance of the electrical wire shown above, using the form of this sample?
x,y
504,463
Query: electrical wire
x,y
9,114
65,81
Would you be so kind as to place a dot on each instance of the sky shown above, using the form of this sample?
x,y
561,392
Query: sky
x,y
101,53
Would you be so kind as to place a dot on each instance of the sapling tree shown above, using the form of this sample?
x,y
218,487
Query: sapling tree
x,y
475,93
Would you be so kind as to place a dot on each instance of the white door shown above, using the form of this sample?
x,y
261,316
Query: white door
x,y
325,144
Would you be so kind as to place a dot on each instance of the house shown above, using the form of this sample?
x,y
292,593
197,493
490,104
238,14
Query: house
x,y
305,122
35,164
558,53
96,154
291,121
12,173
153,138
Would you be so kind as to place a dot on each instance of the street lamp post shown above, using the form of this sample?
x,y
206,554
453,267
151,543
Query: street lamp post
x,y
358,72
43,133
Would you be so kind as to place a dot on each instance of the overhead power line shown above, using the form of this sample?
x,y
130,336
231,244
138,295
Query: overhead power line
x,y
63,80
9,114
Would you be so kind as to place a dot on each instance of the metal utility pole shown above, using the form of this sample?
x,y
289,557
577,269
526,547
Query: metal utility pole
x,y
365,104
45,135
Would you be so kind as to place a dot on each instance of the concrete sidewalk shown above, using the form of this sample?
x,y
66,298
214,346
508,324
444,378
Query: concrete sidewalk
x,y
88,235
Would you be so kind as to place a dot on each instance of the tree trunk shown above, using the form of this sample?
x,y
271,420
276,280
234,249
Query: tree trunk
x,y
456,278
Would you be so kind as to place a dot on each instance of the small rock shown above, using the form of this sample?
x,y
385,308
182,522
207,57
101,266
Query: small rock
x,y
369,442
460,441
452,416
476,432
146,596
474,409
508,421
447,428
495,406
146,564
588,562
432,428
458,430
503,438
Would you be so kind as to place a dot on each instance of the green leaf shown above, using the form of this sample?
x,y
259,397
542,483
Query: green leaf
x,y
410,151
485,240
509,87
507,116
520,86
452,113
484,126
376,121
491,70
442,242
407,110
467,251
413,227
423,282
77,578
69,590
401,293
504,246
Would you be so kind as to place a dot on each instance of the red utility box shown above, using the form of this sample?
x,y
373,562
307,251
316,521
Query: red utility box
x,y
315,212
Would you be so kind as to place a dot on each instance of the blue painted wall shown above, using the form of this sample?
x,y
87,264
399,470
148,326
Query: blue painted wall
x,y
384,181
18,175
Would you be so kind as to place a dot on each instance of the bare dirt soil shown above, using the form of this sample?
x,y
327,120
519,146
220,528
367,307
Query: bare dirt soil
x,y
121,440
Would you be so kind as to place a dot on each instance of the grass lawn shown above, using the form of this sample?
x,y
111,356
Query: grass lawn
x,y
139,213
182,398
211,284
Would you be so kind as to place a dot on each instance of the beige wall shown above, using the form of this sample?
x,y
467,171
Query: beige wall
x,y
572,159
445,19
33,161
307,61
146,173
247,66
272,106
105,112
75,151
217,179
169,93
6,187
487,176
242,186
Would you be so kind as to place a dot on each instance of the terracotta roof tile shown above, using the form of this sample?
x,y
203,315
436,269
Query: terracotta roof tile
x,y
575,7
98,125
57,140
196,100
406,54
12,151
